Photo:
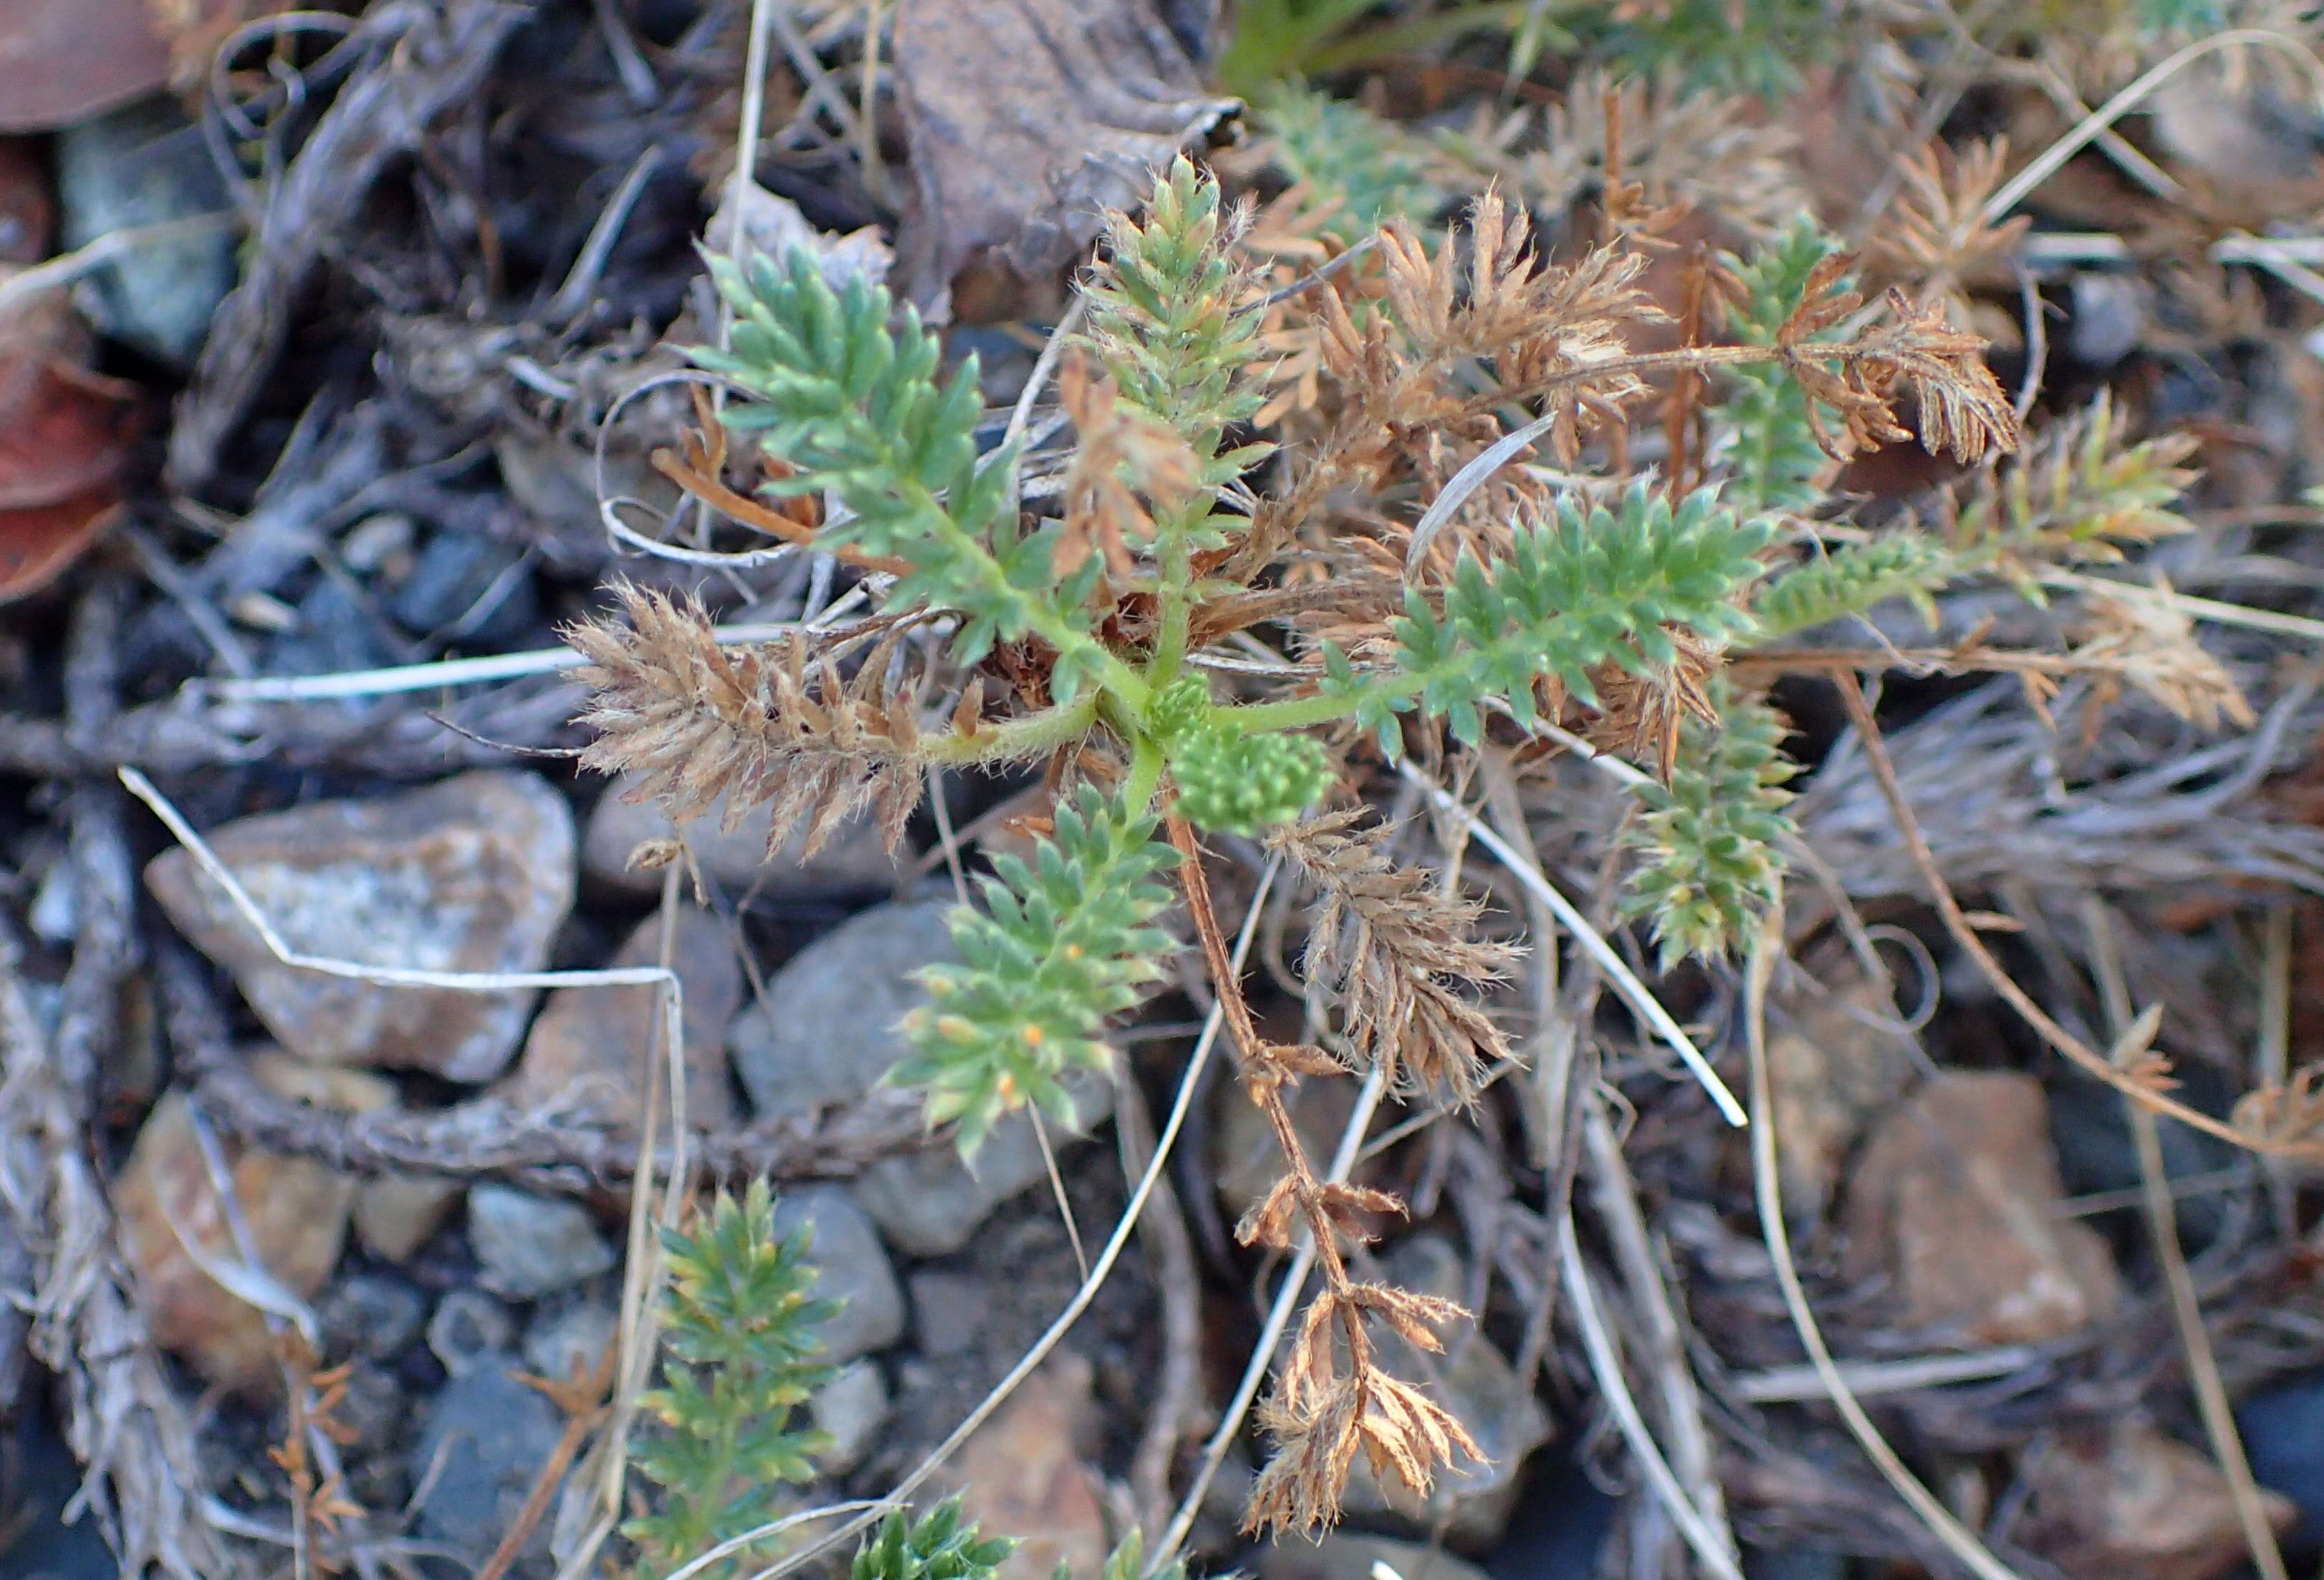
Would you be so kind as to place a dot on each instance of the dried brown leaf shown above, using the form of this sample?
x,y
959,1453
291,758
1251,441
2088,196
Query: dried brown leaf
x,y
1397,951
1029,119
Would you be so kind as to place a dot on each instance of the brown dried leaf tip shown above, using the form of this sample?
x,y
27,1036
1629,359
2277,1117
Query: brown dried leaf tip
x,y
1398,952
766,723
1321,1413
1962,408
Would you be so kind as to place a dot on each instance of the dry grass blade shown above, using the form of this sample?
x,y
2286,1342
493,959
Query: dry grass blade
x,y
1767,1185
2132,1034
773,725
2145,1088
1396,949
1709,1542
1626,982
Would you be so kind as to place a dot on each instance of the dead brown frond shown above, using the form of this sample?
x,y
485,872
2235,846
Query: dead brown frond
x,y
2150,644
2282,1119
1913,350
771,724
319,1493
1934,235
1320,1415
1394,948
1639,714
1678,143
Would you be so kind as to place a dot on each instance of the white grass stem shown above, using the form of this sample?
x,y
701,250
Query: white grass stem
x,y
1956,1539
2046,164
1606,1366
1633,993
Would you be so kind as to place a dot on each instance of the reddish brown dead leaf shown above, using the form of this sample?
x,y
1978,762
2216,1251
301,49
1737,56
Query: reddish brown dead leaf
x,y
36,545
62,60
1029,118
63,431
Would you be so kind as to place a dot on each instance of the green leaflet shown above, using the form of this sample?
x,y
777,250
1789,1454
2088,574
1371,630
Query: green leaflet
x,y
1851,579
856,409
1167,319
1772,459
1710,864
740,1331
1064,943
935,1546
1581,586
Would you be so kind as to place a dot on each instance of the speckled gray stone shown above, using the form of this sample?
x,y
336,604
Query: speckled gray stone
x,y
471,874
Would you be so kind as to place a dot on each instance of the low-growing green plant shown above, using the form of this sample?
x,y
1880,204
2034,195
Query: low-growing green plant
x,y
935,1546
1209,635
740,1333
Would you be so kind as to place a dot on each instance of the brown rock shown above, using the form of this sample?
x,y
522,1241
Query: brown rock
x,y
1953,1197
1022,1475
295,1211
1832,1066
2129,1503
852,861
397,1214
471,874
587,1050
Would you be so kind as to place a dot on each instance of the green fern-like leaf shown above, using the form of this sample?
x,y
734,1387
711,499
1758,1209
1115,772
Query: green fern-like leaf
x,y
1064,943
1773,458
1852,578
1709,845
1738,46
1228,783
937,1546
1167,316
1582,586
855,406
2082,497
741,1330
1373,169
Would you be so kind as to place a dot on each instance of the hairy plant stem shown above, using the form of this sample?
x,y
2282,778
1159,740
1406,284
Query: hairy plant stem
x,y
1017,739
1177,607
1145,771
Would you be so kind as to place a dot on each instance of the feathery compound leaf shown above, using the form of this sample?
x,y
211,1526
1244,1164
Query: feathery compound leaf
x,y
1399,953
1710,865
855,408
1851,579
1167,315
937,1546
1580,587
1065,943
740,1331
757,724
2077,498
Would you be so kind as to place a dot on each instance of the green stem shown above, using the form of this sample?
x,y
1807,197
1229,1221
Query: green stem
x,y
1176,611
1145,774
1018,740
1299,712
